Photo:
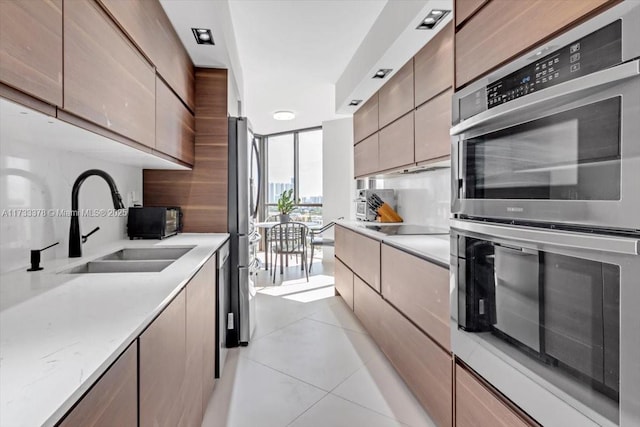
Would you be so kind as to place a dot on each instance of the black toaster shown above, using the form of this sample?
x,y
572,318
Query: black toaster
x,y
152,222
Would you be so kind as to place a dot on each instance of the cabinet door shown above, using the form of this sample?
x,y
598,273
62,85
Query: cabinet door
x,y
424,366
477,406
175,125
149,27
482,45
433,121
31,47
397,143
365,120
344,282
463,9
162,366
395,98
420,290
210,326
360,254
106,80
365,156
433,67
113,399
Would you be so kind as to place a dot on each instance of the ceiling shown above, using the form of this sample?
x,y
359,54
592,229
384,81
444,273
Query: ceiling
x,y
308,56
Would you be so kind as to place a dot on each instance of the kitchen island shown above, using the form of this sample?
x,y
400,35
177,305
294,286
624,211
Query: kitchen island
x,y
59,333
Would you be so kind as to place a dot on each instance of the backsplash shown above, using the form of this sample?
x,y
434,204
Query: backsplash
x,y
35,179
422,198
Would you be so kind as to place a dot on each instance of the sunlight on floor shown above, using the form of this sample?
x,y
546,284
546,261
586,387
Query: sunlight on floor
x,y
319,287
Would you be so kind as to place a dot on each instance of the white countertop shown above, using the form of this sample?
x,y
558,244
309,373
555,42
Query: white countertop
x,y
434,248
60,332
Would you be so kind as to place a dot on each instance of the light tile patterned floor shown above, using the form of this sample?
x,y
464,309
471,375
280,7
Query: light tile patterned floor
x,y
309,364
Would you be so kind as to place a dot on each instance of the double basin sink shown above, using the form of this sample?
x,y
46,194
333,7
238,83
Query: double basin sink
x,y
132,260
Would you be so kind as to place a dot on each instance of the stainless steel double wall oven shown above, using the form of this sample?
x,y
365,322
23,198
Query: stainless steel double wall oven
x,y
545,236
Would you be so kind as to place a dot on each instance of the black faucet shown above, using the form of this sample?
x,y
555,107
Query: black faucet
x,y
75,245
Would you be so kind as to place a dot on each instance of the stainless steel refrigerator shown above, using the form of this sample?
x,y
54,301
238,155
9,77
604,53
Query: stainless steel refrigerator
x,y
244,182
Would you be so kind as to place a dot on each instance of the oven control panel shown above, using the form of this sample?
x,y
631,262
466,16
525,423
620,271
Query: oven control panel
x,y
599,50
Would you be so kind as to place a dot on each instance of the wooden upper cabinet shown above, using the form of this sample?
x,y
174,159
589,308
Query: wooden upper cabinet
x,y
149,27
505,28
395,98
433,121
113,399
31,47
397,143
175,125
162,366
478,406
463,9
365,120
106,80
420,290
433,66
365,156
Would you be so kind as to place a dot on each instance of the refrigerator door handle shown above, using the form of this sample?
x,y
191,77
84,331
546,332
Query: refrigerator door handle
x,y
256,203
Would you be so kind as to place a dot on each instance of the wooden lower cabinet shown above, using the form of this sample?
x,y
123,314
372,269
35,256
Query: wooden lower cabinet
x,y
360,253
424,366
210,319
162,366
113,399
420,290
344,282
478,406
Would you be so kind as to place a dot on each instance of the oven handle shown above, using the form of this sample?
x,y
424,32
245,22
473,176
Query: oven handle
x,y
599,78
566,239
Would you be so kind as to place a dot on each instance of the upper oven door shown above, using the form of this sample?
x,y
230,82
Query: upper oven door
x,y
566,154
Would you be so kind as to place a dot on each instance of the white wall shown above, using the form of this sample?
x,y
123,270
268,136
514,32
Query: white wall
x,y
34,176
338,185
422,198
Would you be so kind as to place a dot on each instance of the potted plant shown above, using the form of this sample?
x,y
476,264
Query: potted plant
x,y
286,204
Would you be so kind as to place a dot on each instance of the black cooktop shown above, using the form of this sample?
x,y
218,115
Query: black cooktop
x,y
407,230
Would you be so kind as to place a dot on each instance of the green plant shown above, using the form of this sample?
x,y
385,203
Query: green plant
x,y
286,202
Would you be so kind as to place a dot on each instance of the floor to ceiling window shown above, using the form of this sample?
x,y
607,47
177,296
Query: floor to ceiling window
x,y
294,161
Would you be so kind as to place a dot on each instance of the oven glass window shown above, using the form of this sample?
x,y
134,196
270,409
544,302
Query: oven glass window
x,y
573,155
560,312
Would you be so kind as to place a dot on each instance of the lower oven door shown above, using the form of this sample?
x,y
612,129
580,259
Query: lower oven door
x,y
551,319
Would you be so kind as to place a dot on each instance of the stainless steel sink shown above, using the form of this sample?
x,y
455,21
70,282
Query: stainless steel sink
x,y
135,254
103,266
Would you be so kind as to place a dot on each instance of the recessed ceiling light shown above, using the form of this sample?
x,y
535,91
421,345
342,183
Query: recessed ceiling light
x,y
382,73
284,115
432,19
355,102
203,35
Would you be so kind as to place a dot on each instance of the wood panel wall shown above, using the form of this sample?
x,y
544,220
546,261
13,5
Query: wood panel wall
x,y
202,191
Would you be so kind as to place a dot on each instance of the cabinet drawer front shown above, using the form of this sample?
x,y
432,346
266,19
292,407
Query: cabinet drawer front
x,y
420,290
149,27
425,367
397,144
481,45
395,98
477,406
342,250
344,282
365,259
162,366
433,66
433,121
106,81
31,47
465,8
113,399
365,120
175,125
365,156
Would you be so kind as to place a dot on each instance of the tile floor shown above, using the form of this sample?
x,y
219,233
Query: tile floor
x,y
309,364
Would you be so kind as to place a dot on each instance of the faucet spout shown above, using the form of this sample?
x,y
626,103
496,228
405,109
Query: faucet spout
x,y
75,244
